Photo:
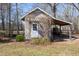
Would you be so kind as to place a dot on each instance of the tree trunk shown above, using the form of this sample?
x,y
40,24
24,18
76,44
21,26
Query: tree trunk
x,y
9,18
2,17
17,18
54,10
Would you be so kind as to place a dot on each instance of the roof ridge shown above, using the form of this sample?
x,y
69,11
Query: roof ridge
x,y
45,13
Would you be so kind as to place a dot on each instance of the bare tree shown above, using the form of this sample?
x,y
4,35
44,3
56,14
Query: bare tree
x,y
53,8
9,18
2,17
17,18
75,6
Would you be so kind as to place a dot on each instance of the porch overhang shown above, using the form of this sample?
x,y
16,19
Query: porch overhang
x,y
60,22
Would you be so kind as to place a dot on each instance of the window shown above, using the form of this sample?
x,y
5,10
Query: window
x,y
35,27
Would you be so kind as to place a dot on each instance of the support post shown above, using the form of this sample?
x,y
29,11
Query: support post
x,y
70,37
60,33
60,28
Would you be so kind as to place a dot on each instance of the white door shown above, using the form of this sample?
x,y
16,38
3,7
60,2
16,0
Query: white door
x,y
34,30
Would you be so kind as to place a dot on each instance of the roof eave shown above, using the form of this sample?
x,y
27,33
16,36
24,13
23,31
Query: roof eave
x,y
47,14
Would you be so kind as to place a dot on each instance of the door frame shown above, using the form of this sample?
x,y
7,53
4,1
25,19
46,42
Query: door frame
x,y
34,33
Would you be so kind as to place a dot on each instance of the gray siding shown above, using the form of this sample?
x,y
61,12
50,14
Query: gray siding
x,y
43,21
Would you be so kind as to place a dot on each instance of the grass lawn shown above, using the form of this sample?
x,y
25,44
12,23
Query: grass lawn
x,y
25,49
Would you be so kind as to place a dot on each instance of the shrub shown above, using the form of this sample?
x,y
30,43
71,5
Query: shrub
x,y
44,41
40,41
2,33
19,38
35,41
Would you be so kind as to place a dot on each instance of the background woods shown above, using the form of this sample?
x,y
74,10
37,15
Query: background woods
x,y
10,15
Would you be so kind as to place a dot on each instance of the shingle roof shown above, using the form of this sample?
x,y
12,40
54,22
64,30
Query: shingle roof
x,y
56,21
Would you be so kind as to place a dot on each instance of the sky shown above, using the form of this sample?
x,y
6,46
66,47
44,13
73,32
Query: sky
x,y
60,8
27,6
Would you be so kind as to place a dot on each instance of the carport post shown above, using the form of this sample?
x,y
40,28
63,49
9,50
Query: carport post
x,y
60,32
70,37
60,28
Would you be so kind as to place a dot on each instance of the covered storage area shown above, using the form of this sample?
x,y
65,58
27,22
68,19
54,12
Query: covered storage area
x,y
61,30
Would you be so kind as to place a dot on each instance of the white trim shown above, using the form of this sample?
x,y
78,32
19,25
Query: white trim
x,y
29,12
34,33
47,14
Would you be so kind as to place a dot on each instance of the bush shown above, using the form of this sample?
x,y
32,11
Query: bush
x,y
35,41
19,38
44,41
40,41
2,33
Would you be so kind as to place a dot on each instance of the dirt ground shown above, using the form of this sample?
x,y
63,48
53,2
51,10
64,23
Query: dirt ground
x,y
66,48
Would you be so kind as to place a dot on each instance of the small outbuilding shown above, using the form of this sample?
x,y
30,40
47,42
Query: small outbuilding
x,y
38,23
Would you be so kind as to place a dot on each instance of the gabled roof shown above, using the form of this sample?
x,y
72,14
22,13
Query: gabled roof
x,y
55,19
